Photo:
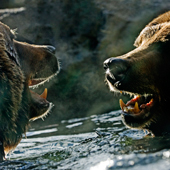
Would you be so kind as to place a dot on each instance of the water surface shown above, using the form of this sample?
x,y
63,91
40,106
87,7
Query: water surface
x,y
94,143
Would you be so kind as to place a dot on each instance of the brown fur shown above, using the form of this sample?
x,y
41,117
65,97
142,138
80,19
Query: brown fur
x,y
144,71
19,62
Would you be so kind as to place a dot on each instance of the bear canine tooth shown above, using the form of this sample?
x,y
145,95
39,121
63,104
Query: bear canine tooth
x,y
136,108
122,104
44,94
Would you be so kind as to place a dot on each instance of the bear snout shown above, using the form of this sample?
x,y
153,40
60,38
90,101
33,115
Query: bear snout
x,y
116,69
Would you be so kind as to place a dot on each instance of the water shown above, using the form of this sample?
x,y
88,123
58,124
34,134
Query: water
x,y
98,142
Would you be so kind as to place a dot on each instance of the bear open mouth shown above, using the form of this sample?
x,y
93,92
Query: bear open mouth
x,y
139,106
137,112
41,106
39,65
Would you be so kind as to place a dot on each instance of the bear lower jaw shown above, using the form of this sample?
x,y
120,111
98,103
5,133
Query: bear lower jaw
x,y
40,107
44,114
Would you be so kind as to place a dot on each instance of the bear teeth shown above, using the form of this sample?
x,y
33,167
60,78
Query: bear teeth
x,y
128,109
122,104
136,108
44,94
133,106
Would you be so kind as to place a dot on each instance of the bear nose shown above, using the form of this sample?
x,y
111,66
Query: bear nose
x,y
117,67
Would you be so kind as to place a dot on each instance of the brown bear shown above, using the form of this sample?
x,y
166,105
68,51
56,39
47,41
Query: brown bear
x,y
143,73
22,66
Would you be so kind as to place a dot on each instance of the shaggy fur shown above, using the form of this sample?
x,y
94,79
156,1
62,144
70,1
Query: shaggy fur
x,y
19,63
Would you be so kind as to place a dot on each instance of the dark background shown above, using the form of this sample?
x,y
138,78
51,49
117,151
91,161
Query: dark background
x,y
85,33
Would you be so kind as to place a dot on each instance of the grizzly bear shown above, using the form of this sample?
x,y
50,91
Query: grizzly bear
x,y
143,73
22,66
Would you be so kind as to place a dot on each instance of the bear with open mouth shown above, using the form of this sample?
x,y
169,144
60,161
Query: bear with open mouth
x,y
143,73
22,66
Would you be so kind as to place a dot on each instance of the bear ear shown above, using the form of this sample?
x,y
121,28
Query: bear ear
x,y
163,34
154,33
148,33
6,41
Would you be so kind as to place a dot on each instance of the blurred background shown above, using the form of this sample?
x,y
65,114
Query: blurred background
x,y
85,33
